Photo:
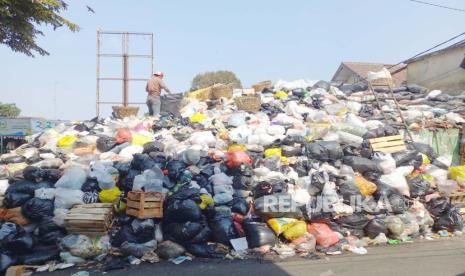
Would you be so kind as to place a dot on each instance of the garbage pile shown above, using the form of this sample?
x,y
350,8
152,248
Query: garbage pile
x,y
296,178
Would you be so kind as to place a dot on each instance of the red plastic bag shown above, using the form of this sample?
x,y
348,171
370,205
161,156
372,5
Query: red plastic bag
x,y
123,135
237,220
325,237
236,158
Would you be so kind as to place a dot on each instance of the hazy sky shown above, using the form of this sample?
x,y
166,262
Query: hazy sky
x,y
258,40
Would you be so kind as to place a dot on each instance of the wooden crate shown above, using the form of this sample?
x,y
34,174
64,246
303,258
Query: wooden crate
x,y
457,198
388,144
90,219
145,205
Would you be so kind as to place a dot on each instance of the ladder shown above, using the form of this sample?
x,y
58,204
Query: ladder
x,y
387,83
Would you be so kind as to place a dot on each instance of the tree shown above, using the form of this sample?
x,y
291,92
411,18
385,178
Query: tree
x,y
9,110
210,78
20,19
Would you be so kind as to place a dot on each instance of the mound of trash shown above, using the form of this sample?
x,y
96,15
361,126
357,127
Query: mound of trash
x,y
298,177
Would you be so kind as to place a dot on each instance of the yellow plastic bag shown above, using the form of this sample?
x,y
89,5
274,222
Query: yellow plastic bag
x,y
366,187
206,201
425,160
197,118
317,130
295,231
280,94
457,173
280,225
234,147
273,151
141,140
66,141
109,195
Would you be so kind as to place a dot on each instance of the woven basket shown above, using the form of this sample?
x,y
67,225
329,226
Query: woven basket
x,y
222,91
125,111
258,87
204,94
248,103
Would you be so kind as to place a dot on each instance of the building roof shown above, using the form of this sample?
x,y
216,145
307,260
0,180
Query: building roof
x,y
459,44
362,68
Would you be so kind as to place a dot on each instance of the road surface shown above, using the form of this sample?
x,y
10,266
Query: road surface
x,y
439,257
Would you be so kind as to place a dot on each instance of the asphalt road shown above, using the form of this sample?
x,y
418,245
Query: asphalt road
x,y
439,257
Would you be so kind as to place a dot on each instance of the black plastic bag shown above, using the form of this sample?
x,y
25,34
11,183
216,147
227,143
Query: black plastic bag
x,y
317,182
5,262
13,200
154,146
418,186
414,88
170,250
203,236
105,143
125,233
450,220
50,233
291,140
91,185
375,227
222,228
239,206
361,164
182,232
258,234
134,249
51,175
126,183
351,151
175,168
263,189
348,190
187,192
322,84
355,221
182,210
123,168
22,186
143,229
19,244
324,150
142,162
40,255
242,182
397,204
404,156
36,209
204,250
437,206
423,148
32,173
276,206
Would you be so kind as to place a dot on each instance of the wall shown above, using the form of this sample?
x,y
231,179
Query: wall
x,y
440,71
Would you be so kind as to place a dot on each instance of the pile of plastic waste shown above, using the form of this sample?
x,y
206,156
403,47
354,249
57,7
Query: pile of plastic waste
x,y
296,178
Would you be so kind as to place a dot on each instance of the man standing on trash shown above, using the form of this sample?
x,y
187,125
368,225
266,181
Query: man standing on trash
x,y
154,86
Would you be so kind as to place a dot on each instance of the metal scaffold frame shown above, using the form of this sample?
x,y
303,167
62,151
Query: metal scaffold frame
x,y
125,64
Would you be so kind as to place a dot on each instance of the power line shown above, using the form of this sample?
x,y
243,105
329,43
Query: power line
x,y
439,6
430,49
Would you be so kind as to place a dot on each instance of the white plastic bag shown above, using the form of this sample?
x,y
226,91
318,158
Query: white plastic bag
x,y
45,193
67,198
385,161
397,181
221,179
73,178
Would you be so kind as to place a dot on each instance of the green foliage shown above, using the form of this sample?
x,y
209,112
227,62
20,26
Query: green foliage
x,y
19,20
210,78
9,110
